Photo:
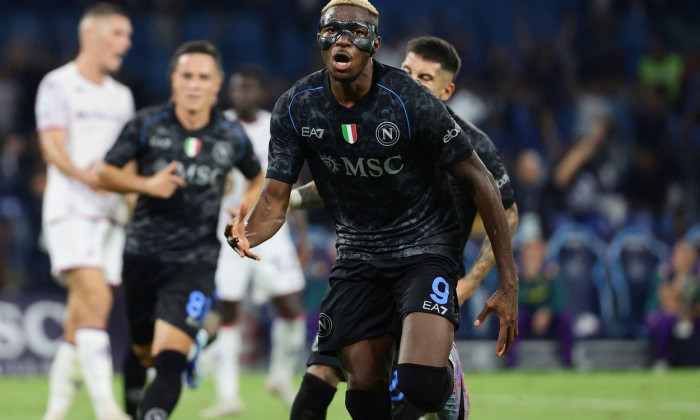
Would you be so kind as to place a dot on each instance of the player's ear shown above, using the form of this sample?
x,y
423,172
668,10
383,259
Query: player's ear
x,y
447,91
376,44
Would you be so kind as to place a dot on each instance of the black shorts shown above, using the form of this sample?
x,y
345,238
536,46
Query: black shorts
x,y
178,293
369,299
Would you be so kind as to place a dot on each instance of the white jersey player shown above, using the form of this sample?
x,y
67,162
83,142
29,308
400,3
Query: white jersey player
x,y
80,110
277,277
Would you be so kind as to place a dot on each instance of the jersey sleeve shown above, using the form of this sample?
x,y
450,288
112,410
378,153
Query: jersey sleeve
x,y
286,156
488,153
448,141
127,145
247,162
51,106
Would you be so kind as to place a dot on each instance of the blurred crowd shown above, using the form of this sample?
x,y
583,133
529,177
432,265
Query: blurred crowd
x,y
593,104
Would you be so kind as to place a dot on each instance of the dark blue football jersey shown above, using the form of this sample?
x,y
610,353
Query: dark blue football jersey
x,y
484,147
183,227
380,166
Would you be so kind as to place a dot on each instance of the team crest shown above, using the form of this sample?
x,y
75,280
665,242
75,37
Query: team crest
x,y
192,146
222,153
325,325
350,133
387,133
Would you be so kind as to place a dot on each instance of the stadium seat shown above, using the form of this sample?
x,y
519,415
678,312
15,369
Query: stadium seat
x,y
579,252
633,258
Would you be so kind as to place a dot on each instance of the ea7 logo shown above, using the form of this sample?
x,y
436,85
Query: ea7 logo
x,y
312,132
432,306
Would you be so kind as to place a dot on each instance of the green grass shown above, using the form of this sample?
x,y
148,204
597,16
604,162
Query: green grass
x,y
507,395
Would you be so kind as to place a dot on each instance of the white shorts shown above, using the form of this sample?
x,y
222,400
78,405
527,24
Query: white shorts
x,y
80,242
278,272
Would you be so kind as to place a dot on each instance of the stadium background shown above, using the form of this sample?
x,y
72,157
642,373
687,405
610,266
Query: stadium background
x,y
537,75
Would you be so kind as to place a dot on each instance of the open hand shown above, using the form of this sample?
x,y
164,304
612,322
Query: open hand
x,y
235,233
503,303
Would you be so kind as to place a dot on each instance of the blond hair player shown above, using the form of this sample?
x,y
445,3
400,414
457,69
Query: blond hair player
x,y
80,110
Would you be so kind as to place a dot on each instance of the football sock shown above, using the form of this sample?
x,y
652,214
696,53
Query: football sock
x,y
368,405
225,356
95,356
134,381
63,381
287,338
162,394
313,399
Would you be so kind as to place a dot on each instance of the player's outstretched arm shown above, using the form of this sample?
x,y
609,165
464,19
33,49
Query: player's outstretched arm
x,y
474,176
305,197
485,261
162,184
52,149
266,218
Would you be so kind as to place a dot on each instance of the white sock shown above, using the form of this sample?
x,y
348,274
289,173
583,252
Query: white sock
x,y
225,359
63,381
95,355
287,344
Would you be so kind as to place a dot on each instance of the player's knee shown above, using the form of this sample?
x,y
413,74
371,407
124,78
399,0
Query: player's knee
x,y
143,353
229,312
329,374
425,387
288,306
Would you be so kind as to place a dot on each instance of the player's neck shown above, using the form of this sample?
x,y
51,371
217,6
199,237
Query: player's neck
x,y
192,120
89,68
247,115
350,92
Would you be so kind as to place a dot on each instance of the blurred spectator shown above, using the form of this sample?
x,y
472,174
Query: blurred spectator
x,y
16,228
662,69
587,176
10,94
540,300
532,189
677,303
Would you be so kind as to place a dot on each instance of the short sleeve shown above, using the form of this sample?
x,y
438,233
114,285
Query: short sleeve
x,y
51,106
448,141
286,156
488,154
126,147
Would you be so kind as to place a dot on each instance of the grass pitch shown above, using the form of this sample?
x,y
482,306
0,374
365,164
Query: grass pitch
x,y
506,395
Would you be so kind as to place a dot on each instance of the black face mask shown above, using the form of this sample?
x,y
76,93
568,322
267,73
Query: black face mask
x,y
362,34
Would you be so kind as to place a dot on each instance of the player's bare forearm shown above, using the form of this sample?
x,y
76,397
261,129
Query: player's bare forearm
x,y
305,197
269,213
52,149
485,260
121,180
476,178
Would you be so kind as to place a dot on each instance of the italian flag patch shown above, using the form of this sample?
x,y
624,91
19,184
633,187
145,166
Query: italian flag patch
x,y
192,146
350,133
